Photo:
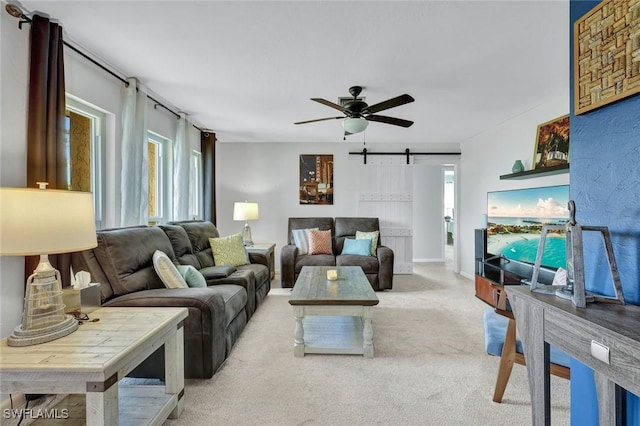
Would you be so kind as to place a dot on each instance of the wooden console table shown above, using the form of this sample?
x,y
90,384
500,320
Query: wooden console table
x,y
94,358
603,336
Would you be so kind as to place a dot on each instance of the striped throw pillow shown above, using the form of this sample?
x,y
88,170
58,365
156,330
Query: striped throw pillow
x,y
301,239
320,242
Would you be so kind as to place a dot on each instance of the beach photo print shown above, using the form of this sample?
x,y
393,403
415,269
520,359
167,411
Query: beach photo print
x,y
515,219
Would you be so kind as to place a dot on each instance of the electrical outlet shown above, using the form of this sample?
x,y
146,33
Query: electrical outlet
x,y
600,351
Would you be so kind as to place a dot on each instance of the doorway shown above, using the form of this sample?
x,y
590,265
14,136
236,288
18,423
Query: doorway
x,y
449,213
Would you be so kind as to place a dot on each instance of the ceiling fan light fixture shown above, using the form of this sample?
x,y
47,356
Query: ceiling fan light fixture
x,y
354,125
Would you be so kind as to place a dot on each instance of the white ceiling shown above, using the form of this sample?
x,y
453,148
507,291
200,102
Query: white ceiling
x,y
246,70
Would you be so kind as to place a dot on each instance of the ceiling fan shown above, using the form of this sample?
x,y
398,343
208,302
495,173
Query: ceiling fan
x,y
357,113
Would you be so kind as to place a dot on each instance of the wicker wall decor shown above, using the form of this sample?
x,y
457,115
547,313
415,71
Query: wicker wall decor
x,y
606,54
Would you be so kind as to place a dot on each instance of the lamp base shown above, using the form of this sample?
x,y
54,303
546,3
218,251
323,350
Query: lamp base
x,y
246,235
21,337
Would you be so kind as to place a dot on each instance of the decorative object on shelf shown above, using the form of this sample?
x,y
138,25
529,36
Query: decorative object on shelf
x,y
316,179
605,53
42,222
245,211
575,283
552,143
517,167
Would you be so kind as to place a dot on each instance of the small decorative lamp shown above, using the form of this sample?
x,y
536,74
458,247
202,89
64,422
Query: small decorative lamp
x,y
42,222
245,211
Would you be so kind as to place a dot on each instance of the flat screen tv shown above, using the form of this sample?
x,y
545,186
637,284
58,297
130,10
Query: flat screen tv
x,y
515,219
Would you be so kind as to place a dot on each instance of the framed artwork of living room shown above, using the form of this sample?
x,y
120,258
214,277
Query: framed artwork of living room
x,y
552,143
316,179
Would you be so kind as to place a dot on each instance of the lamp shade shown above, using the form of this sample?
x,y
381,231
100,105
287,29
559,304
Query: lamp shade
x,y
355,125
245,211
45,221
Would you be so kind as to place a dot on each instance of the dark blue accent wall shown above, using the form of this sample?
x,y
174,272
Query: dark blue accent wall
x,y
605,184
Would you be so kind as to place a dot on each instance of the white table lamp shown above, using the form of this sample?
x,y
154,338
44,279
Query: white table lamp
x,y
43,222
245,211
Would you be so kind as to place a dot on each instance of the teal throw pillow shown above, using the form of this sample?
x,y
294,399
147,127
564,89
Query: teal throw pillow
x,y
360,247
192,276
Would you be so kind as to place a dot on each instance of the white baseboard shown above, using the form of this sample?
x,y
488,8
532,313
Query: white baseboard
x,y
468,276
19,401
428,260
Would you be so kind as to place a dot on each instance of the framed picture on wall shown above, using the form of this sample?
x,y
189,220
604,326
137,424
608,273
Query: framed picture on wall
x,y
316,179
552,143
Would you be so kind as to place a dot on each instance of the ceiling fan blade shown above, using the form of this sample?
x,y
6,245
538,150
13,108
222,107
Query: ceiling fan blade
x,y
389,120
319,119
329,104
390,103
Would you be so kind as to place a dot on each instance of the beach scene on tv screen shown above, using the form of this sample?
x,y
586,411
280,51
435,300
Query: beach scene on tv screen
x,y
515,219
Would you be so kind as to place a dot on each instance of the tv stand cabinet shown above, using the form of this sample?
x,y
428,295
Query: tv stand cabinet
x,y
546,319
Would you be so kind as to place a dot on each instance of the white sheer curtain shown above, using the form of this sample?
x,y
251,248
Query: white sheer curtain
x,y
181,169
135,165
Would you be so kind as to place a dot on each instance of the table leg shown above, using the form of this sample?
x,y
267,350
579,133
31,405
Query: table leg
x,y
530,320
298,334
102,407
174,369
367,331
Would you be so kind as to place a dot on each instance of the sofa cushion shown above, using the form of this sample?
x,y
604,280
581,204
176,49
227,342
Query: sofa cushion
x,y
126,257
229,250
348,226
167,271
314,260
192,276
360,246
213,272
374,236
181,245
301,239
199,233
320,242
369,264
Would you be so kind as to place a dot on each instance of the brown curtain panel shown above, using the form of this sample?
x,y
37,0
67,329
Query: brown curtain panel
x,y
208,149
46,155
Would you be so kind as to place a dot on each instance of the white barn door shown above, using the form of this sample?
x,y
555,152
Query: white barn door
x,y
385,188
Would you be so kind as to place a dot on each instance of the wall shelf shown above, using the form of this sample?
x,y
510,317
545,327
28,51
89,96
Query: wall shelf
x,y
547,171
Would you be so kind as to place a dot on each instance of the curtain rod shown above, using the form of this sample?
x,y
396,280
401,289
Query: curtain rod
x,y
16,12
406,152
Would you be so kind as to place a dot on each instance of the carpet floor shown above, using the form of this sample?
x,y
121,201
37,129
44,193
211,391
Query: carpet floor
x,y
430,368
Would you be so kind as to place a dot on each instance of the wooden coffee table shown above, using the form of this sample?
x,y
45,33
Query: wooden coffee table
x,y
333,317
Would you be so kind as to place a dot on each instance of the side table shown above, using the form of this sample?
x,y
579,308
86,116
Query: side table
x,y
268,249
94,358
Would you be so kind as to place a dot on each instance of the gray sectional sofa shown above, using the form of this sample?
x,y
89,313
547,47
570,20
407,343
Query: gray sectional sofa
x,y
122,264
378,269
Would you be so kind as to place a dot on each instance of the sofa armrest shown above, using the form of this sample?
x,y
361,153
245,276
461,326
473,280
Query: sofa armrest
x,y
385,273
204,328
243,278
259,258
288,256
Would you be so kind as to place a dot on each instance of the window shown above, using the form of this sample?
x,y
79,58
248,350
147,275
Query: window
x,y
159,183
85,131
195,183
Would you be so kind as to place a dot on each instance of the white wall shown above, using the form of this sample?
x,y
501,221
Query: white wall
x,y
492,153
267,173
14,58
428,213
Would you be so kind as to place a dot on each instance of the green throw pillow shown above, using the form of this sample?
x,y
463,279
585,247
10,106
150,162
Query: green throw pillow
x,y
228,250
373,236
192,276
